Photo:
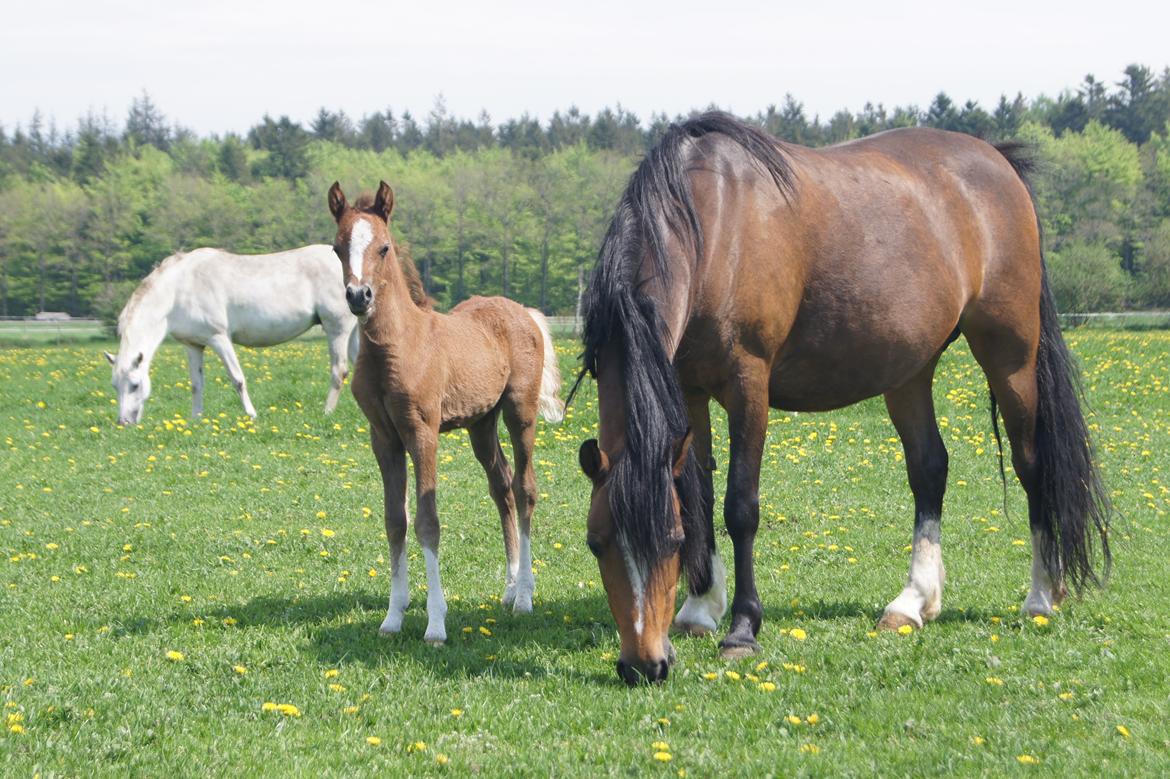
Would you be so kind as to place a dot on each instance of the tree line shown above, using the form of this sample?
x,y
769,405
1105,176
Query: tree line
x,y
519,207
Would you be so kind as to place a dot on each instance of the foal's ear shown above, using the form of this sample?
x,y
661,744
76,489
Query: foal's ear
x,y
337,202
110,358
682,448
384,201
593,461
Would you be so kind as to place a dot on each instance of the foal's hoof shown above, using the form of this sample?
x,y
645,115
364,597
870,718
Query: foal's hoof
x,y
892,620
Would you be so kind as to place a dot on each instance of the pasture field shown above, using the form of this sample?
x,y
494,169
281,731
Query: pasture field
x,y
199,597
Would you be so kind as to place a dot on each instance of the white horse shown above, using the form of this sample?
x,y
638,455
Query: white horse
x,y
209,297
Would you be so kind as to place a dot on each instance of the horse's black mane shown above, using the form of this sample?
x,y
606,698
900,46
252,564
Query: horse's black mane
x,y
621,312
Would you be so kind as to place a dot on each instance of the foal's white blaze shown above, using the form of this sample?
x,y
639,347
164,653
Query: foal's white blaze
x,y
704,611
436,603
1040,598
638,587
921,599
359,240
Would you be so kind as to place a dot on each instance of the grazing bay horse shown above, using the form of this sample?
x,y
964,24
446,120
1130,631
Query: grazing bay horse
x,y
763,274
209,297
420,373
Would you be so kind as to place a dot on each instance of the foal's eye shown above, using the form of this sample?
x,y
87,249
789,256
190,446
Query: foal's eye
x,y
383,250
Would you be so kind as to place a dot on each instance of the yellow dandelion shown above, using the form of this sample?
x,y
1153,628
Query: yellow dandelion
x,y
1040,620
798,634
241,670
978,741
268,706
1027,759
1123,730
327,532
792,719
456,713
417,746
288,710
995,681
660,746
1066,696
768,687
733,676
711,676
484,630
906,630
813,718
175,656
373,741
332,672
810,749
442,759
663,757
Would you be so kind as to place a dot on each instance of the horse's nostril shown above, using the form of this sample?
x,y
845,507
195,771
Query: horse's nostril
x,y
367,293
626,673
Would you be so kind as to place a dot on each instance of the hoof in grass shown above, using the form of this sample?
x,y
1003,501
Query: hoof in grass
x,y
892,620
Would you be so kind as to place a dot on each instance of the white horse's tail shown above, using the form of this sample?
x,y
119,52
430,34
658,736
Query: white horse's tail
x,y
551,406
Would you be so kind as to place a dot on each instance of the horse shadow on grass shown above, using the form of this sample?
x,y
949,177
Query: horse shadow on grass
x,y
483,639
853,610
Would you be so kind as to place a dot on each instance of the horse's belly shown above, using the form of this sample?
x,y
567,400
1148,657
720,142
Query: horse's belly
x,y
258,328
821,380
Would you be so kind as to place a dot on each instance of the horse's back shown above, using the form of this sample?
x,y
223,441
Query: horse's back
x,y
854,282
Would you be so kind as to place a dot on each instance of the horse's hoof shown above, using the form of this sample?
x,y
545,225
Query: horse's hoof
x,y
892,620
693,629
522,605
436,642
738,651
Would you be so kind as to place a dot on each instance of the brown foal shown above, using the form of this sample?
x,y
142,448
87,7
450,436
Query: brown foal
x,y
420,373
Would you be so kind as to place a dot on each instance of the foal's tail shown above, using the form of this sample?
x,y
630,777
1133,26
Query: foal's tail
x,y
1074,507
551,407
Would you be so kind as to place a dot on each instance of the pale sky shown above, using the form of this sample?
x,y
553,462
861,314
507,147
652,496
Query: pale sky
x,y
217,66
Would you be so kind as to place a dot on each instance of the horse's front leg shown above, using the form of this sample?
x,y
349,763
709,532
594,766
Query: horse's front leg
x,y
338,367
391,457
195,370
747,418
701,612
223,347
423,451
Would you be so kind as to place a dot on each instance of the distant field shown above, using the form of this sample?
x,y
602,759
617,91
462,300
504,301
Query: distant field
x,y
162,587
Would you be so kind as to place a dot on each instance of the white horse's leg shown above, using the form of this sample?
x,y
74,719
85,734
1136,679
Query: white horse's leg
x,y
223,347
338,368
195,369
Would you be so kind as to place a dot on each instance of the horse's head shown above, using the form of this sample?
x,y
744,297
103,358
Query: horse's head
x,y
131,381
363,244
640,556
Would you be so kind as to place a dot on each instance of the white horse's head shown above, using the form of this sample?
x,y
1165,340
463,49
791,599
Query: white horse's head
x,y
131,380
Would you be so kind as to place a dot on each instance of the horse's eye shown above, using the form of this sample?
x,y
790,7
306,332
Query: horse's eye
x,y
134,386
594,544
383,250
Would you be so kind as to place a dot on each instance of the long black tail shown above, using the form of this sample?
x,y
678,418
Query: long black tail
x,y
1073,505
622,314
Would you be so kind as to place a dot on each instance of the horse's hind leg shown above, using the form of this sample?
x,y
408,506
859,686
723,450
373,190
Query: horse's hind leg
x,y
701,612
195,369
522,430
338,365
911,409
485,442
223,347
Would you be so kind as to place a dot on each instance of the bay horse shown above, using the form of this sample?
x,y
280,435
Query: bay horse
x,y
209,297
420,373
763,274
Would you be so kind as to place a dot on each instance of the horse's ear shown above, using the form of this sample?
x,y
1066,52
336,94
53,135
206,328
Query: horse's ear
x,y
110,358
593,461
337,204
384,201
137,361
682,448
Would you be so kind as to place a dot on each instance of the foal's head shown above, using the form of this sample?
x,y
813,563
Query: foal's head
x,y
363,243
640,561
131,381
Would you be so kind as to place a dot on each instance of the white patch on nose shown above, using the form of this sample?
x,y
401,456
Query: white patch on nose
x,y
638,587
359,240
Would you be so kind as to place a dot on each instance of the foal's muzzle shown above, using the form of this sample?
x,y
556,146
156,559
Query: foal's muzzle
x,y
359,298
653,671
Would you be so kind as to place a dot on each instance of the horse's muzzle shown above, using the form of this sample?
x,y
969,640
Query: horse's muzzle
x,y
359,299
653,671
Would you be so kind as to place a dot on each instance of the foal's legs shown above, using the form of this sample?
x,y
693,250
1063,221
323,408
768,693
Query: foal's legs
x,y
911,409
223,347
423,450
522,430
485,442
747,416
701,612
195,369
338,367
392,462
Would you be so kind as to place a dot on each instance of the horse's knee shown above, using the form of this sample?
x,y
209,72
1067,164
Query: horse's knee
x,y
742,513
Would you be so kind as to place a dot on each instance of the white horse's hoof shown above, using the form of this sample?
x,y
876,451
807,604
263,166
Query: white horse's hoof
x,y
390,626
436,637
509,596
523,603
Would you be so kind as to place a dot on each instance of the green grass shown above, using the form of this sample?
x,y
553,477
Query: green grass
x,y
208,537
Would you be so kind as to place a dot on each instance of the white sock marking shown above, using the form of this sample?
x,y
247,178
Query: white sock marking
x,y
436,603
704,611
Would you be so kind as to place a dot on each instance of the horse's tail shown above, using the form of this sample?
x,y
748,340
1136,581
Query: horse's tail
x,y
1074,508
551,406
656,220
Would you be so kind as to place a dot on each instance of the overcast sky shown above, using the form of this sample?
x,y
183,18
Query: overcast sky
x,y
219,65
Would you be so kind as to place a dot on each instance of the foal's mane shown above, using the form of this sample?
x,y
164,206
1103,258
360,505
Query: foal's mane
x,y
624,314
414,282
